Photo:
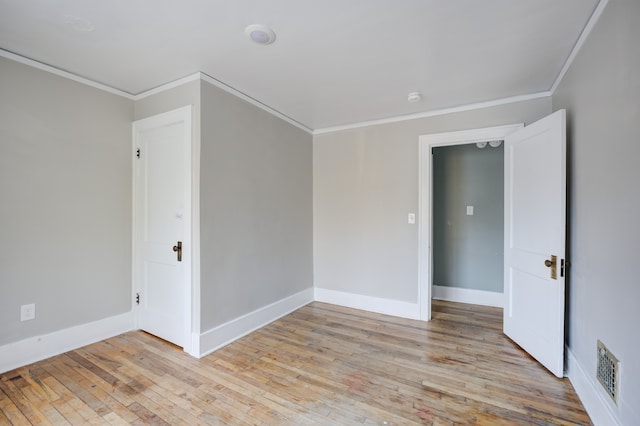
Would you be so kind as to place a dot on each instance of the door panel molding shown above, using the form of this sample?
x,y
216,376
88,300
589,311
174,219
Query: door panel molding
x,y
535,238
190,238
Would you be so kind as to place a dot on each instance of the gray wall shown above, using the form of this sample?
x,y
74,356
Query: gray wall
x,y
255,201
65,209
601,93
65,163
177,97
468,250
365,181
256,208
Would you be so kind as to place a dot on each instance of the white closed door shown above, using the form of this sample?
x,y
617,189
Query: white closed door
x,y
535,217
161,222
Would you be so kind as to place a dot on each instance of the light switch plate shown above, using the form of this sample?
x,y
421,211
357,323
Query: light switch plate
x,y
469,210
411,218
27,312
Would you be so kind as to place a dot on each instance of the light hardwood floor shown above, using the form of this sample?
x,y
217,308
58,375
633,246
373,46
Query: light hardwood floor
x,y
322,364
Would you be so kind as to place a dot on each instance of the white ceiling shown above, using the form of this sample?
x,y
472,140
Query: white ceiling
x,y
335,62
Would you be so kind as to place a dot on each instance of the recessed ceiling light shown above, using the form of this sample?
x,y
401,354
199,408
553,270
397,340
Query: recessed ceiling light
x,y
260,34
414,97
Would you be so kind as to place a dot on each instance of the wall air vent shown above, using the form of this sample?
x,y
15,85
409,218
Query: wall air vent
x,y
608,370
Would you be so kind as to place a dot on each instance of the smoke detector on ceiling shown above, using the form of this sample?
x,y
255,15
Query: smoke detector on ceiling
x,y
260,34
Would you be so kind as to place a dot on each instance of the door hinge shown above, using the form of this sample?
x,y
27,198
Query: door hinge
x,y
138,153
137,298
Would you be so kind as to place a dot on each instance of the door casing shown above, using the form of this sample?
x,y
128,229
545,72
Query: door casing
x,y
425,187
191,222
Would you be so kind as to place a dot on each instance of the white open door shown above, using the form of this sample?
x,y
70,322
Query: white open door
x,y
534,252
162,226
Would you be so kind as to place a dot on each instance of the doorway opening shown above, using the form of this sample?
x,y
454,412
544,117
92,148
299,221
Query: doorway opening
x,y
428,210
534,231
468,223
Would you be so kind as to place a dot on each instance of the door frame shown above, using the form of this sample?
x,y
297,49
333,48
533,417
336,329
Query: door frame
x,y
425,188
191,275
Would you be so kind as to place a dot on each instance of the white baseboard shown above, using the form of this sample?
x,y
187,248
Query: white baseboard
x,y
37,348
467,295
590,395
369,303
27,351
224,334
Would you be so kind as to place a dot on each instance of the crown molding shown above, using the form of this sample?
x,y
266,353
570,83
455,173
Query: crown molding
x,y
62,73
462,108
595,16
192,77
219,84
167,86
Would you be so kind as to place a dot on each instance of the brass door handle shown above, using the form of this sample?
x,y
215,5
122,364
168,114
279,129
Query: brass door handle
x,y
553,264
178,249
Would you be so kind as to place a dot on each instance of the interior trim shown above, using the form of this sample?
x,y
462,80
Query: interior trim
x,y
221,85
223,334
170,85
595,16
62,73
425,218
468,295
37,348
462,108
591,397
166,86
379,305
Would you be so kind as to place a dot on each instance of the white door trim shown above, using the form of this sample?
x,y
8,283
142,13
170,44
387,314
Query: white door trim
x,y
425,189
191,244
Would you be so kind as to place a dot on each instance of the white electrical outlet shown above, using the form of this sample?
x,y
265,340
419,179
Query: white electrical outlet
x,y
27,312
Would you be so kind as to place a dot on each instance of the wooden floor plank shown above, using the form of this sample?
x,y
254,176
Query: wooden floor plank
x,y
12,388
322,364
10,412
